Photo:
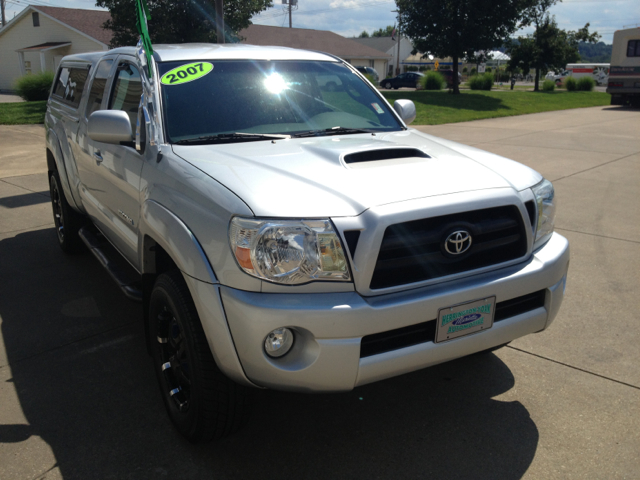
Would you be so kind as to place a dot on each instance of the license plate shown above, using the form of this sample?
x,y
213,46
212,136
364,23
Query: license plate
x,y
465,319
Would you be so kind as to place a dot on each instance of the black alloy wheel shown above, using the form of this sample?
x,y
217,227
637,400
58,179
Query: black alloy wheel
x,y
173,357
66,220
202,403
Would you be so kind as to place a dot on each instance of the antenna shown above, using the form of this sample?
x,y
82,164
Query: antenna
x,y
291,5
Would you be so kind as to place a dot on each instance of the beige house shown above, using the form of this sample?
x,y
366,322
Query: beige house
x,y
38,37
390,46
320,40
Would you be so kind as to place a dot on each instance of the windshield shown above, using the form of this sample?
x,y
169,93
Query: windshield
x,y
205,101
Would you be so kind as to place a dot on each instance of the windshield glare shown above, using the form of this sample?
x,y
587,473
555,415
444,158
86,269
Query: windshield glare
x,y
269,97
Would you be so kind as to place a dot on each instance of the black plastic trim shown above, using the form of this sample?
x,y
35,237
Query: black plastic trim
x,y
426,332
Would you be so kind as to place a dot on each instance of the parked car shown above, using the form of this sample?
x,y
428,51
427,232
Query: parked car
x,y
407,79
284,228
448,76
557,77
369,71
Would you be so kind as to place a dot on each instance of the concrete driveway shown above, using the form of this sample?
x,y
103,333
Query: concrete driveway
x,y
78,398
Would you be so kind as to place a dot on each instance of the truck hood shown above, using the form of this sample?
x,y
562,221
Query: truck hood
x,y
309,177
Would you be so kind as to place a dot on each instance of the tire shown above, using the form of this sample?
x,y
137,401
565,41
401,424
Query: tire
x,y
202,403
67,221
387,85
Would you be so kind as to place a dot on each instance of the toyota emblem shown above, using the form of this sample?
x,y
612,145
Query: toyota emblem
x,y
458,242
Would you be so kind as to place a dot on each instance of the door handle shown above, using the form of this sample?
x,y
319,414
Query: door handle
x,y
98,157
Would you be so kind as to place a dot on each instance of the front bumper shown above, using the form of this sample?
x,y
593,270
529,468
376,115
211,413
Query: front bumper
x,y
329,326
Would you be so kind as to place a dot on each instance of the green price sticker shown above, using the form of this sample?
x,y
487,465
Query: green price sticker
x,y
186,73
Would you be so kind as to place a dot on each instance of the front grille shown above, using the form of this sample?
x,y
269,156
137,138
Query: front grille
x,y
426,331
414,251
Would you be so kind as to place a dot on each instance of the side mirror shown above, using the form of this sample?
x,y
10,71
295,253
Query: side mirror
x,y
406,109
109,126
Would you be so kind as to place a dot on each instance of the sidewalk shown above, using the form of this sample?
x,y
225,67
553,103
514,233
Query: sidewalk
x,y
7,98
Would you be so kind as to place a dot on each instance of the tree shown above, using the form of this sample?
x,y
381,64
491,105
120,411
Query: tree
x,y
179,21
383,32
595,53
548,48
364,34
458,28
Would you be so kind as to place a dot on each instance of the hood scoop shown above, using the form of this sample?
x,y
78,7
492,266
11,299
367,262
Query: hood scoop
x,y
384,157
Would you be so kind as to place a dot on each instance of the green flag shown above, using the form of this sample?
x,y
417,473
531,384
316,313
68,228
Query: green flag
x,y
142,14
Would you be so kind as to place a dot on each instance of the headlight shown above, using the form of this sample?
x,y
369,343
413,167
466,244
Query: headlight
x,y
290,252
546,202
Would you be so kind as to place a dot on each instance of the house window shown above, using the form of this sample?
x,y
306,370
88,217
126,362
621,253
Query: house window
x,y
36,19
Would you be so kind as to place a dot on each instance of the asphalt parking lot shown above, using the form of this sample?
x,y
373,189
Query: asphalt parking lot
x,y
78,397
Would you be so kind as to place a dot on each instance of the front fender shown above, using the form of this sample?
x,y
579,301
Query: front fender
x,y
171,233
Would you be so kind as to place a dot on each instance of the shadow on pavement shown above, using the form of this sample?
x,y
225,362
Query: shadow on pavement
x,y
25,200
86,387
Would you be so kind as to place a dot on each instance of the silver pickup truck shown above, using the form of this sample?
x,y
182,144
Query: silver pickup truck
x,y
285,229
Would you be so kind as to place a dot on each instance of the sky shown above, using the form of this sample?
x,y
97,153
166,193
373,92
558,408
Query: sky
x,y
350,17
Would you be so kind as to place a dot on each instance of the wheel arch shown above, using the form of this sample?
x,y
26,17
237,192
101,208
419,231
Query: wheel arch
x,y
55,161
167,243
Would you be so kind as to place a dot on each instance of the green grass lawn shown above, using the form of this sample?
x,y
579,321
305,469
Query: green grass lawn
x,y
22,113
435,108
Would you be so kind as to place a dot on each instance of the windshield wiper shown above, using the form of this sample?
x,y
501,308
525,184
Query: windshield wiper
x,y
232,137
332,131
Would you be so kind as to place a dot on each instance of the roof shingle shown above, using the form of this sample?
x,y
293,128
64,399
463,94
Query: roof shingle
x,y
307,39
88,22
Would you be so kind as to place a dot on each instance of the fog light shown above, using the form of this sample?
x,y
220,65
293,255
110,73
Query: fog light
x,y
278,342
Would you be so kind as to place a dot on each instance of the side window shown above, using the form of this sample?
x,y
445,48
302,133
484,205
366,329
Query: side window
x,y
97,87
125,95
633,48
69,85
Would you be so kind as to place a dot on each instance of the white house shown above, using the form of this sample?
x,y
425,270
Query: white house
x,y
38,37
390,47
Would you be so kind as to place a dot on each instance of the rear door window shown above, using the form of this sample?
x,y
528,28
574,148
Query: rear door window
x,y
126,92
97,92
69,85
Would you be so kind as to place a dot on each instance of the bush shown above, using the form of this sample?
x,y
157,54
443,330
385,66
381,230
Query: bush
x,y
586,84
433,81
464,70
481,82
34,87
548,85
570,84
473,71
369,77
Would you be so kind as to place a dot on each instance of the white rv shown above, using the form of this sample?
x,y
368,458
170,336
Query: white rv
x,y
624,74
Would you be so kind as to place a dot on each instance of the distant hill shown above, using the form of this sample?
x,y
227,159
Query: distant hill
x,y
595,52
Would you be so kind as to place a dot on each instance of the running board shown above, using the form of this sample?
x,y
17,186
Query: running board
x,y
120,271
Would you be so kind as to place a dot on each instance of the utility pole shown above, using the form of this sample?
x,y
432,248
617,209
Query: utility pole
x,y
4,20
398,34
220,21
290,4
